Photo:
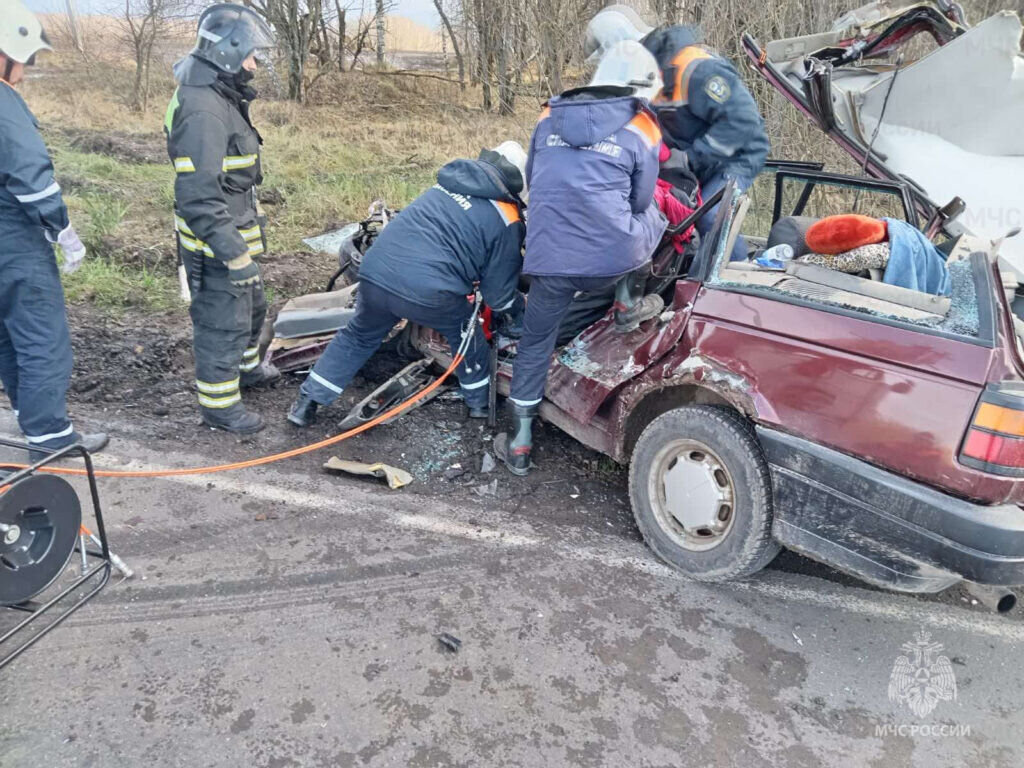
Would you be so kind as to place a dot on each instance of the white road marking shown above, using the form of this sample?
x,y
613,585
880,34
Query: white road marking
x,y
774,585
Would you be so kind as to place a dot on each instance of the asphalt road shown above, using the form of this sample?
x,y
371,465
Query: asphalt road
x,y
286,620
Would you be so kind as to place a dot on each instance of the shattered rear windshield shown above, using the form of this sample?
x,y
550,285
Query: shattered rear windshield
x,y
961,320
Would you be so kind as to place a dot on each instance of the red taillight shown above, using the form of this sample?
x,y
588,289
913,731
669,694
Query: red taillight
x,y
994,449
995,440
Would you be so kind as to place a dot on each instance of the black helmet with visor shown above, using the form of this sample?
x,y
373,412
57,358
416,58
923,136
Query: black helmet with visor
x,y
229,34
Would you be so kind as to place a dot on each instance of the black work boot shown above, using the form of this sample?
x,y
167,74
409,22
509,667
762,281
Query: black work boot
x,y
631,306
93,443
235,418
303,411
520,443
477,411
260,376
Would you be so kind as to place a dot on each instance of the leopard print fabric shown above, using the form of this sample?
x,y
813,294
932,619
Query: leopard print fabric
x,y
859,259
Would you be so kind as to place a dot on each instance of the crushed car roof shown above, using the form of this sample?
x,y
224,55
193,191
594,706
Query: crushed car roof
x,y
949,120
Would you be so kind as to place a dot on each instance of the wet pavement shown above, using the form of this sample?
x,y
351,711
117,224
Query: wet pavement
x,y
283,618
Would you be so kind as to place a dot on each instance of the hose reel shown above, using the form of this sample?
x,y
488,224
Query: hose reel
x,y
40,517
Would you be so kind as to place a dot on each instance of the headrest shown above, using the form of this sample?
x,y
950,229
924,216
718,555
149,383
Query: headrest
x,y
791,230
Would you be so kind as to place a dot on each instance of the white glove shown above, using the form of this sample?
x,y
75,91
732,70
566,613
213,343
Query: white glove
x,y
74,250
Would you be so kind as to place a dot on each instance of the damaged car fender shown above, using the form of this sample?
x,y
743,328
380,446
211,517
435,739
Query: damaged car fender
x,y
686,378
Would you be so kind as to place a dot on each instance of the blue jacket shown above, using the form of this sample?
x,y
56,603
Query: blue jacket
x,y
705,109
31,206
592,170
468,228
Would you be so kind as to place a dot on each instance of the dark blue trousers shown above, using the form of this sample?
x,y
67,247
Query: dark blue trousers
x,y
546,305
377,312
35,347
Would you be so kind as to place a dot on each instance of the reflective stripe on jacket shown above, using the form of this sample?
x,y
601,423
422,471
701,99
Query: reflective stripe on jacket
x,y
31,205
468,228
705,108
216,158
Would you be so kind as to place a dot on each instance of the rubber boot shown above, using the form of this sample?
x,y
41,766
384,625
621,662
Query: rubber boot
x,y
303,411
476,410
519,447
93,443
235,418
631,306
261,376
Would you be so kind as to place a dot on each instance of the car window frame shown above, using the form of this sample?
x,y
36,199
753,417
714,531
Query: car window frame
x,y
711,266
812,178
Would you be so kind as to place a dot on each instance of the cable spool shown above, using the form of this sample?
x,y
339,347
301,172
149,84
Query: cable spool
x,y
40,517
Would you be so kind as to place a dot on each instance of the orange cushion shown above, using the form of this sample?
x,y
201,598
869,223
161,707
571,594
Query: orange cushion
x,y
838,234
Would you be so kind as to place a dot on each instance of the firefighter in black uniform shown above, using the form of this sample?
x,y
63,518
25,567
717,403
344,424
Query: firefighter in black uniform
x,y
35,345
216,155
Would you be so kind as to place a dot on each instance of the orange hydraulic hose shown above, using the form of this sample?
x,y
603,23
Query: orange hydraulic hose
x,y
401,407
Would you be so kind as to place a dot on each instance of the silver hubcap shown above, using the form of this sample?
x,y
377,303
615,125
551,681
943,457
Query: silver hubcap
x,y
692,494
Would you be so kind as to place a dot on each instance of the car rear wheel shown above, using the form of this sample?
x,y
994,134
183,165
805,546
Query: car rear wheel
x,y
701,493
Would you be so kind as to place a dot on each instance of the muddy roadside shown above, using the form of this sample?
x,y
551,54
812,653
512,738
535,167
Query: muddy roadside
x,y
133,376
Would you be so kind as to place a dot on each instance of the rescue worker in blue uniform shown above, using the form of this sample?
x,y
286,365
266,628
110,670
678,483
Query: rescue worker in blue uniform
x,y
707,114
592,172
465,231
35,344
215,151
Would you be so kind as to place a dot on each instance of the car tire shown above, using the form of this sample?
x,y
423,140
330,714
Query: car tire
x,y
705,465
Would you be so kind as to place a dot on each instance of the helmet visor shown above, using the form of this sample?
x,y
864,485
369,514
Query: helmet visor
x,y
262,34
255,32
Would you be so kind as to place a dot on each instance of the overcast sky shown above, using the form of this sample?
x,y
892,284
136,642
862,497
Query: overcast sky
x,y
421,10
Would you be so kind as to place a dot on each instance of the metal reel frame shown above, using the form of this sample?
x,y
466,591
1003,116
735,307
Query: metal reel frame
x,y
13,643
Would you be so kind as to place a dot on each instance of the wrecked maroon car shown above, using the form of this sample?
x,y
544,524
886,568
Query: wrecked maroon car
x,y
871,427
877,429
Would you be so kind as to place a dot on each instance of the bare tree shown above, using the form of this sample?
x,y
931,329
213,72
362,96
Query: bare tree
x,y
342,18
143,24
381,31
439,5
296,23
72,13
360,39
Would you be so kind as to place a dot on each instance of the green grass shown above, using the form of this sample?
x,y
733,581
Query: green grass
x,y
330,160
105,216
112,285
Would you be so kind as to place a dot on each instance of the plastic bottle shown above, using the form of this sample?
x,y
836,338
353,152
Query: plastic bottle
x,y
780,252
776,256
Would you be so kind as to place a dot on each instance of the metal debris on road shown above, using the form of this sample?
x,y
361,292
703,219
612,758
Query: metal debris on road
x,y
487,489
454,472
450,642
487,463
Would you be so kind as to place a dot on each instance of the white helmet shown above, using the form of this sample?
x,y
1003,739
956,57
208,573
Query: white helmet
x,y
612,25
628,64
21,34
513,152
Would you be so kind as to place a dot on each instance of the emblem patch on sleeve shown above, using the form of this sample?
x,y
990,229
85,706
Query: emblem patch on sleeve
x,y
718,89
